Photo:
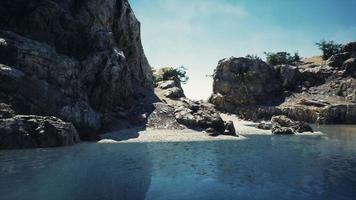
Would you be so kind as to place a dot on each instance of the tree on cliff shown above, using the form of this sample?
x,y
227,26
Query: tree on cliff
x,y
172,73
328,48
281,58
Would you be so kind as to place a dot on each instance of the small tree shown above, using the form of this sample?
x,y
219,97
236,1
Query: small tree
x,y
253,57
170,73
296,57
328,48
281,58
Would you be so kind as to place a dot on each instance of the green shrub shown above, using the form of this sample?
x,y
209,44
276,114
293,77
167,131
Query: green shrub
x,y
281,58
328,48
171,73
296,57
253,57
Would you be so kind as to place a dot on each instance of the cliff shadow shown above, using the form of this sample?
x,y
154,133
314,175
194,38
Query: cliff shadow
x,y
135,119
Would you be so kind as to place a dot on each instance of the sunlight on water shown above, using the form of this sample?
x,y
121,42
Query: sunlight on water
x,y
261,167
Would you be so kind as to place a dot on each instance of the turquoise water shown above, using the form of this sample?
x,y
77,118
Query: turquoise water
x,y
261,167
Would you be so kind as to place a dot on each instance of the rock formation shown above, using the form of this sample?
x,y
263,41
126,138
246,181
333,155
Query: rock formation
x,y
29,131
282,125
314,91
181,112
244,82
81,61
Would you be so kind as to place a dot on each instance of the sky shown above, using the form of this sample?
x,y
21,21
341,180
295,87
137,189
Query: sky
x,y
198,33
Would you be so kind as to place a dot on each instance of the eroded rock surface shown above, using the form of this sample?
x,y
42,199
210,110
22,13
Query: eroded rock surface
x,y
282,125
80,61
242,81
30,131
181,112
315,91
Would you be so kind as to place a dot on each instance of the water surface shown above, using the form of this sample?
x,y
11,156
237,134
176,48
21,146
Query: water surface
x,y
260,167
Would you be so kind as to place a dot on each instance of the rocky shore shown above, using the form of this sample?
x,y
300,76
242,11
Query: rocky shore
x,y
80,61
72,70
312,90
81,64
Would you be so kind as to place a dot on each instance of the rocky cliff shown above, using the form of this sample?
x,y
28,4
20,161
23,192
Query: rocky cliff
x,y
311,90
79,60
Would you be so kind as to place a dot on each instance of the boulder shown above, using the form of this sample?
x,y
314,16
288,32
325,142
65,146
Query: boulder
x,y
163,117
212,132
174,92
289,75
230,128
281,124
263,126
337,60
338,114
350,67
315,75
200,115
167,84
349,47
244,81
28,131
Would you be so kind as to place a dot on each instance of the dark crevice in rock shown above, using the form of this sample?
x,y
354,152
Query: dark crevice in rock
x,y
81,60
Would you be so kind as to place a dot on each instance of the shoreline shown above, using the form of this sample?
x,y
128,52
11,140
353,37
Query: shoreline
x,y
137,135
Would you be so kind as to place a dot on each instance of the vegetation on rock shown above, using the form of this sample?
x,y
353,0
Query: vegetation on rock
x,y
328,48
253,57
281,58
172,73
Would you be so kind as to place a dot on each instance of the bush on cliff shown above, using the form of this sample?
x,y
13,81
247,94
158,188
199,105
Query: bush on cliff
x,y
253,57
171,73
281,58
328,48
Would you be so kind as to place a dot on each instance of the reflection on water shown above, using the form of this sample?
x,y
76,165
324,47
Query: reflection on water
x,y
85,171
261,167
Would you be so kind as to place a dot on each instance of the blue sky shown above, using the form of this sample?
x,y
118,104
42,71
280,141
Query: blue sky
x,y
199,33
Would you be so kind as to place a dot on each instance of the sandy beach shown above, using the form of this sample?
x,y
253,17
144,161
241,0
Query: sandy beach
x,y
138,135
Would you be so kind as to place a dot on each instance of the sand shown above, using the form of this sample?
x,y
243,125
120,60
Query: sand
x,y
140,135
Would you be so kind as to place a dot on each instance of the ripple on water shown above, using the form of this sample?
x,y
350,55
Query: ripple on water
x,y
260,167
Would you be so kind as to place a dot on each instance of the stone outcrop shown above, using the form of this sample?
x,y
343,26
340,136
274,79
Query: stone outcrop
x,y
314,91
282,125
289,76
30,131
181,112
198,114
243,82
80,61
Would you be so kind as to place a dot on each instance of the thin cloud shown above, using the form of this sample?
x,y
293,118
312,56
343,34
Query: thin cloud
x,y
198,33
224,8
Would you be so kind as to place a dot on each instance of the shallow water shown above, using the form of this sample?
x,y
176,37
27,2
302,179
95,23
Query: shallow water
x,y
260,167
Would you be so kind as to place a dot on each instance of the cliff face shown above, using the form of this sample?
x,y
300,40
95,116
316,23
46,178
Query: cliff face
x,y
243,81
313,90
79,60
